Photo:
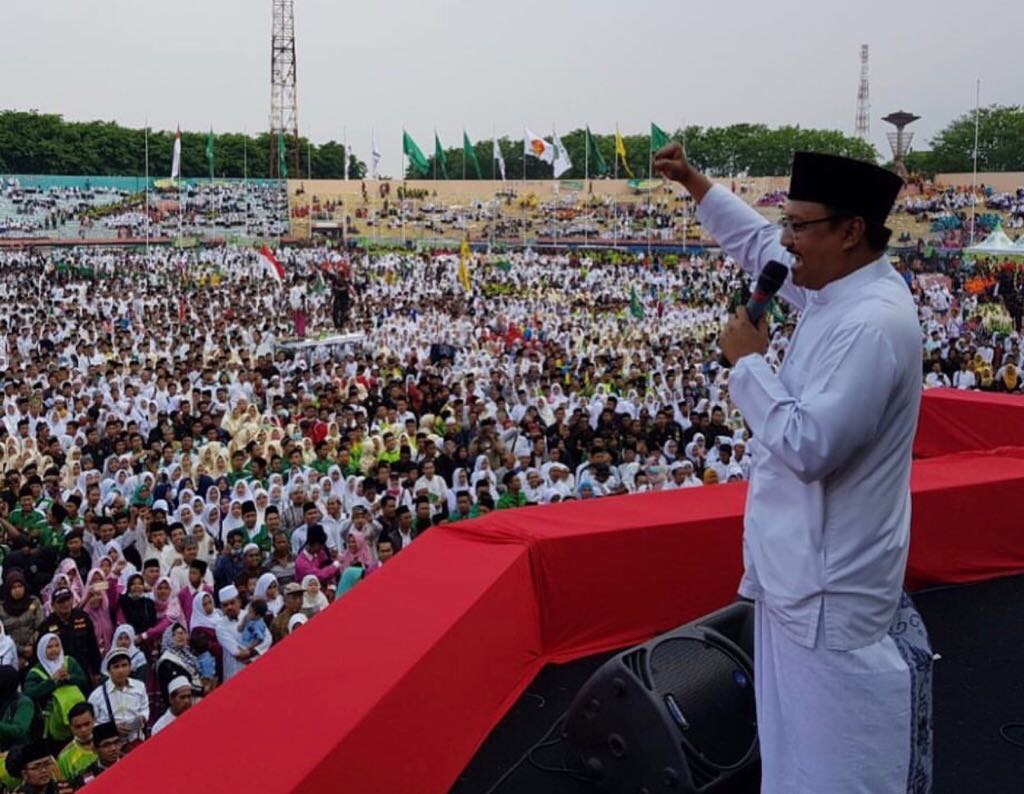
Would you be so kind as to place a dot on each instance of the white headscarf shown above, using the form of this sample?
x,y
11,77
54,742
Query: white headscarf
x,y
51,666
200,620
263,584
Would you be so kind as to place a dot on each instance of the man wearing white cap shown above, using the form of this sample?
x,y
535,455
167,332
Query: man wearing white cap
x,y
179,700
235,654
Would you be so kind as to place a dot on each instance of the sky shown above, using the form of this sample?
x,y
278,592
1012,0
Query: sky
x,y
483,65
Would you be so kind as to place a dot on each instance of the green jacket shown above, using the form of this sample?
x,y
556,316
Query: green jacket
x,y
16,722
508,499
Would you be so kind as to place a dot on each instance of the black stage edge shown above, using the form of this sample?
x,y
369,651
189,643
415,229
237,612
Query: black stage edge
x,y
979,685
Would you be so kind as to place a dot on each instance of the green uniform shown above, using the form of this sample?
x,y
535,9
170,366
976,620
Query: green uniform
x,y
474,512
508,499
74,759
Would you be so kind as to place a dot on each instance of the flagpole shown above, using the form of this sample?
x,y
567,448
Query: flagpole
x,y
974,180
245,177
524,185
401,203
494,154
586,178
147,186
650,188
309,161
344,138
615,215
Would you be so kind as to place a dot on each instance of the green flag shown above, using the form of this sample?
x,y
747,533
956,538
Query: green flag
x,y
209,152
470,155
635,307
597,164
282,159
659,137
504,265
416,157
440,161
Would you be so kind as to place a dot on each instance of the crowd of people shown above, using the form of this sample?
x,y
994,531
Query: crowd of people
x,y
181,490
210,209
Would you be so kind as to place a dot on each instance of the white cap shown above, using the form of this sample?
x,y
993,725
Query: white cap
x,y
227,593
178,683
160,504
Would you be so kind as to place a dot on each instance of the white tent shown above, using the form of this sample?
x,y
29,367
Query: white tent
x,y
996,244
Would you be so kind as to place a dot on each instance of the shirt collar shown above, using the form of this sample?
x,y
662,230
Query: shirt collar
x,y
854,282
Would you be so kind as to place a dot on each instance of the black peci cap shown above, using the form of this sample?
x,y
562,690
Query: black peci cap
x,y
849,185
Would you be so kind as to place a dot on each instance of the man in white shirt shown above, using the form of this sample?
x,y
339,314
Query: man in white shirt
x,y
179,700
121,698
434,486
842,662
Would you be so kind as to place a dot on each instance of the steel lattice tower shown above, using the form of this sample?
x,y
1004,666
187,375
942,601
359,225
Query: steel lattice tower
x,y
284,112
863,126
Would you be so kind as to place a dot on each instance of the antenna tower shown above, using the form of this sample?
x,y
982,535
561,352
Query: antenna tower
x,y
863,126
284,114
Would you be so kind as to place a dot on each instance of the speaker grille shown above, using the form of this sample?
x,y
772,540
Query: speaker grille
x,y
714,695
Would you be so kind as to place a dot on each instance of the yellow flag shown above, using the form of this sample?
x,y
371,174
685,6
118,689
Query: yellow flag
x,y
620,151
464,254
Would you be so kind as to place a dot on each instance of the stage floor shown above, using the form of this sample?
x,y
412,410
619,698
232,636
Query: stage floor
x,y
977,629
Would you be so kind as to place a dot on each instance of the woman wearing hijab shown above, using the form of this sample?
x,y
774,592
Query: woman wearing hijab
x,y
313,599
296,620
268,589
20,612
135,607
125,639
96,605
176,659
357,552
168,610
51,685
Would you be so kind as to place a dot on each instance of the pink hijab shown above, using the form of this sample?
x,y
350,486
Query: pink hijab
x,y
361,555
102,624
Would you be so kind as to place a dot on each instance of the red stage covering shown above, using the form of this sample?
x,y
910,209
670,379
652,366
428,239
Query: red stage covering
x,y
957,421
394,688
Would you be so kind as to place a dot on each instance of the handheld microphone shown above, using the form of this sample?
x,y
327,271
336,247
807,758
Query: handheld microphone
x,y
772,277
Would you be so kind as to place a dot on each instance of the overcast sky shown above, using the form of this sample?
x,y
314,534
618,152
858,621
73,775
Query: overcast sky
x,y
561,63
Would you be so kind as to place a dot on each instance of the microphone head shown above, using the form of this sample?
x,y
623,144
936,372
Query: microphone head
x,y
772,277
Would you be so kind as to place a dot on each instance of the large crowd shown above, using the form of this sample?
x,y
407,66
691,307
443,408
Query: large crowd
x,y
182,489
205,209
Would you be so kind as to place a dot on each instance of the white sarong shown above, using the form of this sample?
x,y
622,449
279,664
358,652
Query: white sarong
x,y
845,722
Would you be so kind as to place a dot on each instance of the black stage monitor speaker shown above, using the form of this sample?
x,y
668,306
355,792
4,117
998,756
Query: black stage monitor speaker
x,y
675,714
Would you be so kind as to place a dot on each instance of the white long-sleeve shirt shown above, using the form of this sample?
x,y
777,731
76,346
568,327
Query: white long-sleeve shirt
x,y
827,522
130,706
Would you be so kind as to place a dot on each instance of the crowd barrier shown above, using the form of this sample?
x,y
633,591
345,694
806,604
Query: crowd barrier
x,y
394,688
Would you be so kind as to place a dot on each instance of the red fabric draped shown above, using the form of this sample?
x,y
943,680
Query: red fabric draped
x,y
393,688
955,421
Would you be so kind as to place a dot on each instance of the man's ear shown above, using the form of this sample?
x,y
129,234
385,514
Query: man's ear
x,y
855,230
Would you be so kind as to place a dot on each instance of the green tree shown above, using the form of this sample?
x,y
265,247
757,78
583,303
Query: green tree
x,y
1000,143
43,143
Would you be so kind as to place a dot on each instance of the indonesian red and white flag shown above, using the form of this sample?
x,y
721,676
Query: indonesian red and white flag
x,y
271,265
176,158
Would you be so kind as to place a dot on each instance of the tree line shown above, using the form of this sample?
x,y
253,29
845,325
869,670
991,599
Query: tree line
x,y
1000,144
44,143
40,143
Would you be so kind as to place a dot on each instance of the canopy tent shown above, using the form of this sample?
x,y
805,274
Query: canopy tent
x,y
997,243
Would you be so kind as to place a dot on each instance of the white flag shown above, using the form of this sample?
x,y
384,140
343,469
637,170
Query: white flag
x,y
375,154
562,162
176,158
499,158
536,146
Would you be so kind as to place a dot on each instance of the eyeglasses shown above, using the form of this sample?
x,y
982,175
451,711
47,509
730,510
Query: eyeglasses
x,y
788,224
